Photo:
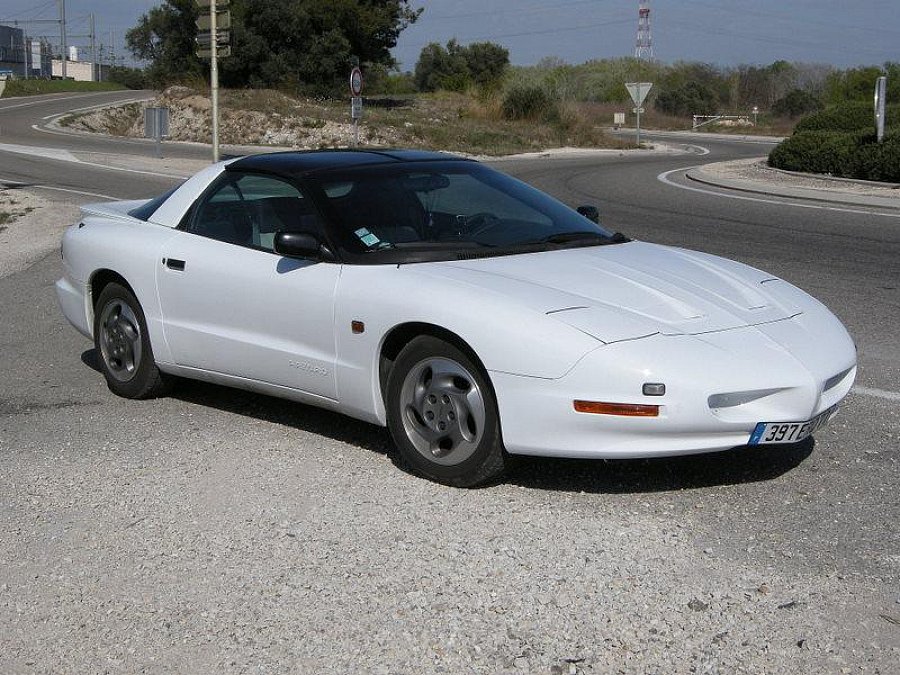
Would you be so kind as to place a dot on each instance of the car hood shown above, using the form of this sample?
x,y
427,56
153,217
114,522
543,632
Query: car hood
x,y
626,291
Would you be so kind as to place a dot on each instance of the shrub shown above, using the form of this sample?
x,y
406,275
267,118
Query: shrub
x,y
853,116
816,152
691,98
877,161
527,101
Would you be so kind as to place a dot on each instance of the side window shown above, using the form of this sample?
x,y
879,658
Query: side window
x,y
248,209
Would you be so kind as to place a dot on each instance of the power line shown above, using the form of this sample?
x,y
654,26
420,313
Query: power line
x,y
518,12
546,31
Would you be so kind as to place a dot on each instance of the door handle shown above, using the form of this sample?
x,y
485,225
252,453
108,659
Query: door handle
x,y
174,264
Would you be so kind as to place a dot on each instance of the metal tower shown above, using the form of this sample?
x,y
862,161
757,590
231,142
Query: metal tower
x,y
644,47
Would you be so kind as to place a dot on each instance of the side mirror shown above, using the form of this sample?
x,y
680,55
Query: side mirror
x,y
298,245
590,212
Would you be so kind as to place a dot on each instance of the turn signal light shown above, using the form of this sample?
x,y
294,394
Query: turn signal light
x,y
622,409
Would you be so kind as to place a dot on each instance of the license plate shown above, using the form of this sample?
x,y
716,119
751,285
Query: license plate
x,y
767,433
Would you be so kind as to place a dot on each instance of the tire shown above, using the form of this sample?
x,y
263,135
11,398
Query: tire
x,y
442,414
123,345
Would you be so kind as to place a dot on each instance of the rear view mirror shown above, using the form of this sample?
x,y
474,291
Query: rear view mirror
x,y
298,245
590,212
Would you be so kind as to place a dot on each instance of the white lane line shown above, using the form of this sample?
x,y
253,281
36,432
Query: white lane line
x,y
664,178
29,104
66,156
877,393
58,189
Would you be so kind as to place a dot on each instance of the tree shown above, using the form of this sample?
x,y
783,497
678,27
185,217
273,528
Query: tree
x,y
164,36
795,103
304,44
456,67
487,63
691,98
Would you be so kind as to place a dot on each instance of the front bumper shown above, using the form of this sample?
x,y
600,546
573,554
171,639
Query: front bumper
x,y
718,387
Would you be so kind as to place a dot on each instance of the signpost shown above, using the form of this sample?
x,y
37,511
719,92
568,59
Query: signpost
x,y
356,104
638,91
214,41
156,126
880,100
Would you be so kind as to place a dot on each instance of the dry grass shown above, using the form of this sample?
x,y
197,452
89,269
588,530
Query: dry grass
x,y
441,121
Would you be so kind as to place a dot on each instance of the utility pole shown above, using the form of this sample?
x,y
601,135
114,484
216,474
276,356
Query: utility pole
x,y
93,50
62,35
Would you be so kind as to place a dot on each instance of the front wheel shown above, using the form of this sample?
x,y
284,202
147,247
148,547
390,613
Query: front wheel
x,y
122,342
442,414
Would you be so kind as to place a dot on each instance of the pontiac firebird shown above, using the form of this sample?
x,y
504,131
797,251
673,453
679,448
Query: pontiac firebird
x,y
473,315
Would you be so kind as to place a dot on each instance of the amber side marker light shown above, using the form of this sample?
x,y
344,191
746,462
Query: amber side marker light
x,y
622,409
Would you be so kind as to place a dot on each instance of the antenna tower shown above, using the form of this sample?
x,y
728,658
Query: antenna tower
x,y
644,46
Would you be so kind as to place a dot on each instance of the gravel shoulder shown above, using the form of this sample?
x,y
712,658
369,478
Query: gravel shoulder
x,y
754,175
34,230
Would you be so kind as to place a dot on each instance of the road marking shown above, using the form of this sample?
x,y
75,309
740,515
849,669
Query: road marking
x,y
66,156
46,153
58,98
664,178
59,189
877,393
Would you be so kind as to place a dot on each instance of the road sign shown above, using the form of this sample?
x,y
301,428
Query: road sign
x,y
221,52
356,106
356,82
880,100
619,119
223,21
204,39
156,122
638,91
637,110
205,4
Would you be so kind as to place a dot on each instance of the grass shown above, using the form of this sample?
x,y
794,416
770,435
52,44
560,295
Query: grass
x,y
32,87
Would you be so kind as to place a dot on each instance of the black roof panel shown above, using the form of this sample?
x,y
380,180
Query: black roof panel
x,y
310,161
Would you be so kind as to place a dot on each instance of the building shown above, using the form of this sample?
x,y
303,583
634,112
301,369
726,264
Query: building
x,y
12,51
80,71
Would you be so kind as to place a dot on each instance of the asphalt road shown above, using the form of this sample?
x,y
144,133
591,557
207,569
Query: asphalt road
x,y
204,474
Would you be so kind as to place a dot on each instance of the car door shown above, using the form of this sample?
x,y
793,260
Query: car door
x,y
231,305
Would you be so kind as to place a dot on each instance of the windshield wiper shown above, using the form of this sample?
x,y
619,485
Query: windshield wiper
x,y
572,237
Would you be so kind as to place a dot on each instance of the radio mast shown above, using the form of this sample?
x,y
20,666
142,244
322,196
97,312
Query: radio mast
x,y
644,46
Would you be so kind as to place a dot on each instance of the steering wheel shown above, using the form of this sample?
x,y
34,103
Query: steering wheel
x,y
480,222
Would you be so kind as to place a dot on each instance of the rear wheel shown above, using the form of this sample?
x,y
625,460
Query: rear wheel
x,y
123,344
442,414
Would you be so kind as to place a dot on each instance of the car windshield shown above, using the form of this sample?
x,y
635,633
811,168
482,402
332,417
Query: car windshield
x,y
453,206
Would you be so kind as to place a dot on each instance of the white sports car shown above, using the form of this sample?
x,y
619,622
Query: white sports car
x,y
471,314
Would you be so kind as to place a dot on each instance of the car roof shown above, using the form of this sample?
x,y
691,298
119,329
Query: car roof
x,y
294,163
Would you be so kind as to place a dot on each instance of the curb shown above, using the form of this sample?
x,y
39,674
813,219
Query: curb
x,y
836,179
804,194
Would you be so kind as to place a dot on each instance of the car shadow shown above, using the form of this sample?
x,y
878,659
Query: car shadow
x,y
624,476
620,476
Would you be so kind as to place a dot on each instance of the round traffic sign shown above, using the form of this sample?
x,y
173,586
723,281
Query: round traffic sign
x,y
356,81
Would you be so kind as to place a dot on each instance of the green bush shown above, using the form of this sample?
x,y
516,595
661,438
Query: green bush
x,y
853,116
526,101
815,152
848,155
877,161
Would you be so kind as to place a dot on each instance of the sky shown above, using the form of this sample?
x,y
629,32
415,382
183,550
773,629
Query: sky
x,y
727,32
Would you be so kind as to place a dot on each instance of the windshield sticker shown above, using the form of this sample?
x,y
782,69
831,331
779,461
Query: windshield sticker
x,y
367,237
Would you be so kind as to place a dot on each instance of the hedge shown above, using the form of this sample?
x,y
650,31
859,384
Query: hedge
x,y
848,155
854,116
